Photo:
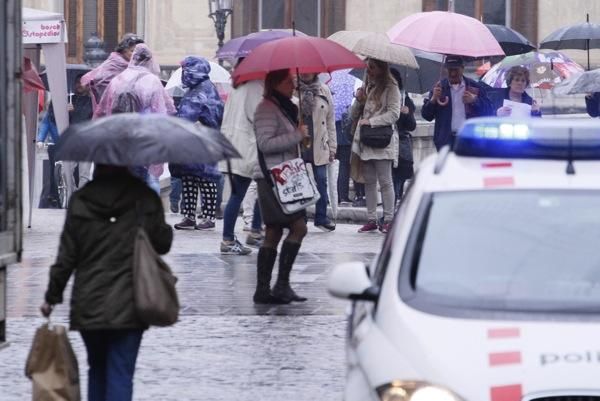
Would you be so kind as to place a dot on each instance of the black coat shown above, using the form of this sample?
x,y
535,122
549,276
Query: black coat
x,y
82,109
592,105
405,124
97,245
525,98
442,131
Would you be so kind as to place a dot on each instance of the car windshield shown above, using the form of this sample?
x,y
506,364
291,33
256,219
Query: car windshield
x,y
511,250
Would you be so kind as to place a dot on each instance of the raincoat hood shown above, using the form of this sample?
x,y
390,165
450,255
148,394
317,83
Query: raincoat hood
x,y
142,57
195,70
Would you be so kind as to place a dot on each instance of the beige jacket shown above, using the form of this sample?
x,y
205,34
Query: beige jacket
x,y
386,114
238,126
325,139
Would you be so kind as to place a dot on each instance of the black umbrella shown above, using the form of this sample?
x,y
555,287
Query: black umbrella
x,y
511,41
584,36
73,71
132,139
418,80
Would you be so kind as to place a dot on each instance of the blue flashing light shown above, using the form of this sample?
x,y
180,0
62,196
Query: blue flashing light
x,y
529,138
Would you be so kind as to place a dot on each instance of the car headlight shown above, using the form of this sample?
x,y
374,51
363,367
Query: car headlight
x,y
415,391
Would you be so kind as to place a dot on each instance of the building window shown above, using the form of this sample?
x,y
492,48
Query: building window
x,y
277,14
111,19
487,11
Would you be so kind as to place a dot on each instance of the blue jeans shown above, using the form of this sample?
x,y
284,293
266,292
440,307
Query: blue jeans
x,y
220,186
175,194
111,359
320,173
240,187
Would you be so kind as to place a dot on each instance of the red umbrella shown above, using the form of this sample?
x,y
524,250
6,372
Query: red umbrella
x,y
31,78
304,54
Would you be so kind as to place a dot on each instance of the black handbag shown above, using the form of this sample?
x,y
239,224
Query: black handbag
x,y
376,137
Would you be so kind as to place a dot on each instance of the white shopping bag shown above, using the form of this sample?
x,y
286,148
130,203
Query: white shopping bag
x,y
333,170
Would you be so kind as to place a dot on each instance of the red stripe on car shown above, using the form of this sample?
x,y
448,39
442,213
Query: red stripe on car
x,y
496,165
504,358
491,182
504,332
511,392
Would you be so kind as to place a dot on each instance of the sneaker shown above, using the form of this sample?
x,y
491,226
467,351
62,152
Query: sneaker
x,y
205,224
385,227
359,202
327,227
255,240
174,208
185,224
234,248
345,203
219,213
369,227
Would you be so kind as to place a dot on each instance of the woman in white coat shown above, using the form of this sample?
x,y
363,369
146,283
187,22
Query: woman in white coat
x,y
319,116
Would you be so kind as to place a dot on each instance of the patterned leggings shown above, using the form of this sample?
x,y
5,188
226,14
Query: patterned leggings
x,y
190,197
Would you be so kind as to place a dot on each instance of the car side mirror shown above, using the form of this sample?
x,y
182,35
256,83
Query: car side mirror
x,y
351,281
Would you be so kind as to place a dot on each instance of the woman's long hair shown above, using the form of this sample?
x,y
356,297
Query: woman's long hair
x,y
378,85
273,79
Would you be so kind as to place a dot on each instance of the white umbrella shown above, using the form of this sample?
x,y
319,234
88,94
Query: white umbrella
x,y
375,45
218,75
585,82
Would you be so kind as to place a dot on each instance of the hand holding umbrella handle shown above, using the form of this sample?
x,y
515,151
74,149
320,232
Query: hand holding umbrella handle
x,y
436,94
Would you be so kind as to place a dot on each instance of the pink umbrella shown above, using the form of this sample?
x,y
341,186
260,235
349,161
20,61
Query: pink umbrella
x,y
445,33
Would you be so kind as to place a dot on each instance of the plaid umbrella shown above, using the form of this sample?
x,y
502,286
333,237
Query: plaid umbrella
x,y
546,69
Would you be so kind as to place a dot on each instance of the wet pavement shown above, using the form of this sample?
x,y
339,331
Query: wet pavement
x,y
224,347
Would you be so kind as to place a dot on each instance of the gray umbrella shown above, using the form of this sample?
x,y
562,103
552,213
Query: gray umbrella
x,y
584,36
132,139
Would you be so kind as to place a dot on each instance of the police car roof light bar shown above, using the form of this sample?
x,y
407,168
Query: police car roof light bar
x,y
534,138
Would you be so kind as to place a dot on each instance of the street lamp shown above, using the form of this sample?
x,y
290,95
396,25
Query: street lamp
x,y
219,11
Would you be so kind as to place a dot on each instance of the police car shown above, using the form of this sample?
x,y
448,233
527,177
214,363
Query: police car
x,y
487,288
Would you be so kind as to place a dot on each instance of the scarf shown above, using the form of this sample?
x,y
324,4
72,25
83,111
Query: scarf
x,y
286,106
308,91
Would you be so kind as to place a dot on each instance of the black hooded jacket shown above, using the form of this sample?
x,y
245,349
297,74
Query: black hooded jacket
x,y
97,244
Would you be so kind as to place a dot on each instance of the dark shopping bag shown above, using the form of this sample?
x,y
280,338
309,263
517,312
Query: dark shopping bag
x,y
156,300
52,366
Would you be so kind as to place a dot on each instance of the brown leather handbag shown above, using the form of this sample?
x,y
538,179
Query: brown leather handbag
x,y
155,296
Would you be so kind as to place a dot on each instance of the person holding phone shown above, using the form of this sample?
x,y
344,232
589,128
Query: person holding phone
x,y
453,100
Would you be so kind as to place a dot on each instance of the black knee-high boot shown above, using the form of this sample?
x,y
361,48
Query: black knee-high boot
x,y
282,289
264,268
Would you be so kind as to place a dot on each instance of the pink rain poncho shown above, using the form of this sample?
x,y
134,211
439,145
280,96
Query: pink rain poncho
x,y
137,90
99,78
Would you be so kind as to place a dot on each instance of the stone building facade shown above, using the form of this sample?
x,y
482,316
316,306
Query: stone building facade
x,y
175,28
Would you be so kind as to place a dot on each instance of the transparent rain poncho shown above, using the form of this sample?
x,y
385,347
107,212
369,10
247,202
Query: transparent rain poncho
x,y
99,78
137,89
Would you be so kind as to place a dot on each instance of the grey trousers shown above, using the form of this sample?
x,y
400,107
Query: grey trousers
x,y
379,171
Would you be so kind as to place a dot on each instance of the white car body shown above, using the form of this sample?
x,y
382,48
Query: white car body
x,y
477,358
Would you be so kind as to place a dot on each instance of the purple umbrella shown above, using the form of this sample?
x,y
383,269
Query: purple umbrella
x,y
243,46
